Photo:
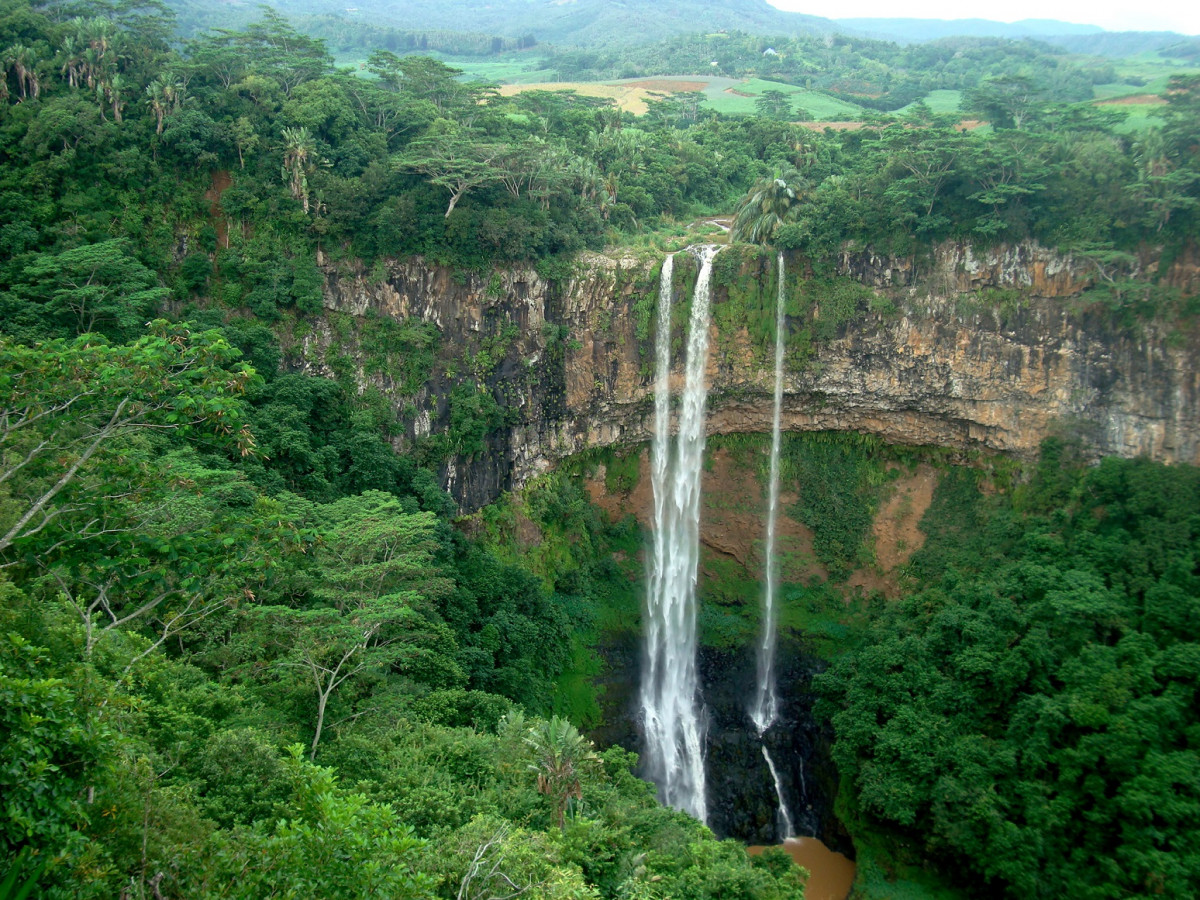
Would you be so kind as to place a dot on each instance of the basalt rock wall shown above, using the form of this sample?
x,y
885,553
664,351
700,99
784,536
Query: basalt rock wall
x,y
958,348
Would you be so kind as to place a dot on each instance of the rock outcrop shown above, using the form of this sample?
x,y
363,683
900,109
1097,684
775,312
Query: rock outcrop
x,y
960,348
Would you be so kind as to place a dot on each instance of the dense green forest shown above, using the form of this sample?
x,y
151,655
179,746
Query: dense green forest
x,y
103,117
1030,714
245,649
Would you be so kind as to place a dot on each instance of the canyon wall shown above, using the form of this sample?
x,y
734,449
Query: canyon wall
x,y
972,350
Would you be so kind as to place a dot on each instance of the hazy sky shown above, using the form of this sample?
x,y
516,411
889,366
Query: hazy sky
x,y
1115,16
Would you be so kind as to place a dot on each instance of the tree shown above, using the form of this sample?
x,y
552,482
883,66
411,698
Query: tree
x,y
928,160
244,138
1006,101
373,574
1009,167
773,104
561,755
454,158
299,159
51,746
72,57
374,547
165,95
171,553
768,205
279,52
1030,714
96,287
425,78
336,845
23,61
332,648
1162,186
533,167
489,859
114,87
63,403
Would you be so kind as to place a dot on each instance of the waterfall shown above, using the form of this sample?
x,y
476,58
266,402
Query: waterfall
x,y
671,718
765,708
785,817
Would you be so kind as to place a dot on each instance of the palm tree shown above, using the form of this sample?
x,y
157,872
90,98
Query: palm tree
x,y
769,204
113,87
299,154
91,66
72,56
96,34
165,94
560,755
157,102
24,61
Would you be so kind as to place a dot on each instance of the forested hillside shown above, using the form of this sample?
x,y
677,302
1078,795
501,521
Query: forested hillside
x,y
580,22
1028,715
245,648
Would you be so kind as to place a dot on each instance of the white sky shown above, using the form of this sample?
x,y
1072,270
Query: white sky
x,y
1172,15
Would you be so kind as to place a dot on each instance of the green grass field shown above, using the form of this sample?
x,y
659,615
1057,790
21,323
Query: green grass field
x,y
1139,117
1146,73
821,107
510,68
1117,89
729,96
938,102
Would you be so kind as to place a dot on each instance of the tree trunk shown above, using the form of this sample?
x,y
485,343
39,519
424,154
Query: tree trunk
x,y
454,198
323,698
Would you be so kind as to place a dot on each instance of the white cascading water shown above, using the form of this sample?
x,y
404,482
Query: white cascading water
x,y
785,817
765,708
671,718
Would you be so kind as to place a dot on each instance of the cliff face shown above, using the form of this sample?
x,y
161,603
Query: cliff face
x,y
961,349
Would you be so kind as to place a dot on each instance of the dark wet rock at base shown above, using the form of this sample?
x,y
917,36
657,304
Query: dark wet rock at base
x,y
741,794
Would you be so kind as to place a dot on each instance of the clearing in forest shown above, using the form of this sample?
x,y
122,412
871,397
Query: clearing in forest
x,y
630,98
732,96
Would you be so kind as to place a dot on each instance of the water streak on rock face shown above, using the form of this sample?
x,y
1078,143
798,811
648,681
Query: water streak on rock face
x,y
672,723
764,709
785,816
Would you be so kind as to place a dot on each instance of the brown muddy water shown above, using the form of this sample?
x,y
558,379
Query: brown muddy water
x,y
830,875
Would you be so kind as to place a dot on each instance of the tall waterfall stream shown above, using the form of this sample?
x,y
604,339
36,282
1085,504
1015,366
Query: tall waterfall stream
x,y
672,720
765,709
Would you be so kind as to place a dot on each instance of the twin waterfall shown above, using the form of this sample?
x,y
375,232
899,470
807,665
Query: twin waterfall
x,y
672,717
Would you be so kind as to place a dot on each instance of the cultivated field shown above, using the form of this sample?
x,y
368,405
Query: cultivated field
x,y
731,96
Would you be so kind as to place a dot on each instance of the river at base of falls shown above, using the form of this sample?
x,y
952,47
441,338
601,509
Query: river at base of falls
x,y
830,875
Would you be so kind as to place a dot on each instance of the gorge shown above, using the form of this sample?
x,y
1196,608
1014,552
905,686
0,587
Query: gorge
x,y
437,477
975,352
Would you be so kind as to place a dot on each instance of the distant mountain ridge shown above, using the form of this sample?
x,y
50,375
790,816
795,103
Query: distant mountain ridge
x,y
919,30
1076,38
599,23
575,22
